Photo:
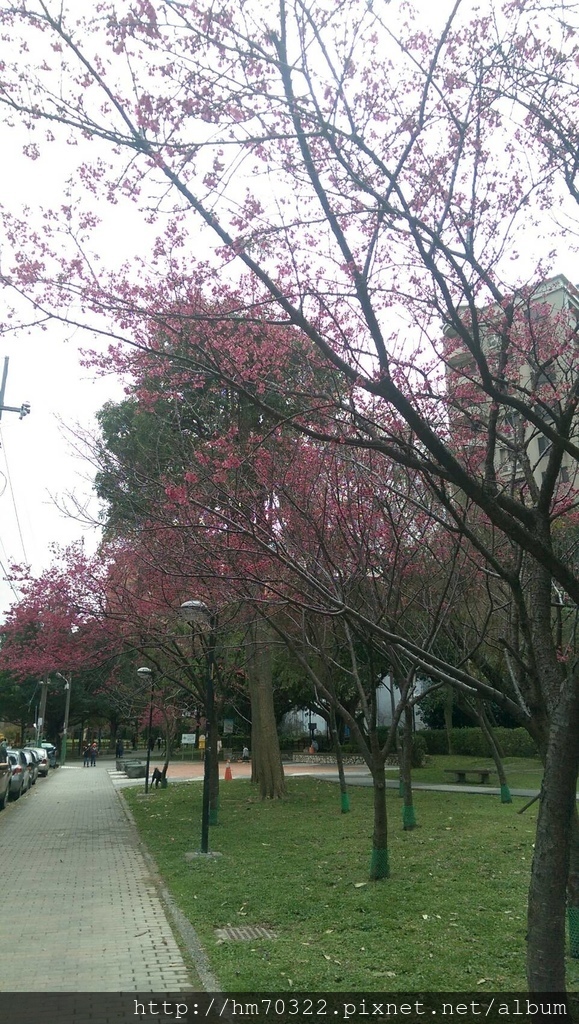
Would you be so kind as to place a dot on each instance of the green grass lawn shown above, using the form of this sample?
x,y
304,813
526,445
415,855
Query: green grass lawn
x,y
450,918
521,772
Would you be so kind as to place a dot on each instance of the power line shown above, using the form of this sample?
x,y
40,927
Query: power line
x,y
9,479
8,580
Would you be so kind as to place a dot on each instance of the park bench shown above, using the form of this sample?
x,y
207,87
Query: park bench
x,y
460,774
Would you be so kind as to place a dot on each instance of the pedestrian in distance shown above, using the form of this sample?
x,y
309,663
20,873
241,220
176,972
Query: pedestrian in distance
x,y
245,754
93,755
86,756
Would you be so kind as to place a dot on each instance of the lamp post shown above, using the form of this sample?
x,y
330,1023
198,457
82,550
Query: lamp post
x,y
147,674
68,689
197,612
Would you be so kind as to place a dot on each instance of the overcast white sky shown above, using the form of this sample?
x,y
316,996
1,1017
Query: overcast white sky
x,y
36,461
37,464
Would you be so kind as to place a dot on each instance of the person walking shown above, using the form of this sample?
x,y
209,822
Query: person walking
x,y
93,755
86,756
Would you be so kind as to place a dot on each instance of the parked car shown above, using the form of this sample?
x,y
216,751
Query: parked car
x,y
33,764
19,774
4,774
42,757
51,753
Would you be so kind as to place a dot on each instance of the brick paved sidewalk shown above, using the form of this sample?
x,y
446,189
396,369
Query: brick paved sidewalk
x,y
81,909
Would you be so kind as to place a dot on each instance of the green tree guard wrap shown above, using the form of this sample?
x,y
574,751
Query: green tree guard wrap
x,y
506,797
573,921
408,816
345,803
379,866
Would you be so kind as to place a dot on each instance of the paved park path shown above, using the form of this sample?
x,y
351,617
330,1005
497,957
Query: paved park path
x,y
82,908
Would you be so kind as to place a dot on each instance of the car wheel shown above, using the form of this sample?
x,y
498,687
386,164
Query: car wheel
x,y
3,801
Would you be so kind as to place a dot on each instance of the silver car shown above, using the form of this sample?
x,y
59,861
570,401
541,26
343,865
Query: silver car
x,y
19,773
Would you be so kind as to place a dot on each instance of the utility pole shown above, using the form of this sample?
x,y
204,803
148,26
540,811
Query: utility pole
x,y
40,720
23,409
67,689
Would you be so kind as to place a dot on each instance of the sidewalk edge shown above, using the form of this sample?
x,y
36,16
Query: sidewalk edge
x,y
177,919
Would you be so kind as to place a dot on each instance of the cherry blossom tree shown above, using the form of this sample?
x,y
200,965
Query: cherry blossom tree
x,y
54,626
349,164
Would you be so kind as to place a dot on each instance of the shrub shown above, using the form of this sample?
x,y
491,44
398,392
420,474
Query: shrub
x,y
471,742
419,750
516,743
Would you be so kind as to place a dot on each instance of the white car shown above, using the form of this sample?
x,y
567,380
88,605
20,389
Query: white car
x,y
42,757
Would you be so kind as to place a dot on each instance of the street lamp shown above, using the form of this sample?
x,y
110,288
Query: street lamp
x,y
147,674
197,613
68,689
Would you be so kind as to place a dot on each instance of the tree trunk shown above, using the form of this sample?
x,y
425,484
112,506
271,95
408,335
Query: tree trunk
x,y
379,866
555,707
547,893
408,814
573,888
266,764
168,753
506,797
448,702
344,797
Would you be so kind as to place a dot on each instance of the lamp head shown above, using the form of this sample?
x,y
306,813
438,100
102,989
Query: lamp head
x,y
194,611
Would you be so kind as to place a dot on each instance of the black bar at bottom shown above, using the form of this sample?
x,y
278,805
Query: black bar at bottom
x,y
287,1007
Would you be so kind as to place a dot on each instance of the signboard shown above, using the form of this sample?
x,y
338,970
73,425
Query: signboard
x,y
227,726
188,737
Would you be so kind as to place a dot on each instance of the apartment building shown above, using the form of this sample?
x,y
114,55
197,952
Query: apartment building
x,y
531,351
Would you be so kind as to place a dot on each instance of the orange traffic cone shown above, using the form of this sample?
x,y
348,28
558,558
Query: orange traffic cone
x,y
228,775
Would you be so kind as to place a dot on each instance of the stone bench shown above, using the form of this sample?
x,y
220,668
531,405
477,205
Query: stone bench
x,y
460,774
132,767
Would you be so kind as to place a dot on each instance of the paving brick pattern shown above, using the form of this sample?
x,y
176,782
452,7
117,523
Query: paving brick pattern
x,y
81,911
